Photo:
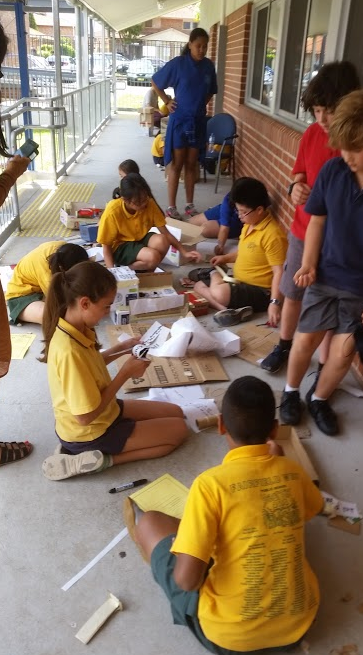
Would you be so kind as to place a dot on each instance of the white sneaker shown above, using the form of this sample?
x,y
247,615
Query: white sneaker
x,y
60,467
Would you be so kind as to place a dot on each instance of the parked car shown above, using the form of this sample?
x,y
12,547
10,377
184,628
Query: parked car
x,y
157,63
121,63
67,63
140,71
37,62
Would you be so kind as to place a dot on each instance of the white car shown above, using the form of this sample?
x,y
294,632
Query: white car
x,y
67,63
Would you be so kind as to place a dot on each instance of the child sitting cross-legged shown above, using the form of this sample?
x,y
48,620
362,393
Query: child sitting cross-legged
x,y
234,568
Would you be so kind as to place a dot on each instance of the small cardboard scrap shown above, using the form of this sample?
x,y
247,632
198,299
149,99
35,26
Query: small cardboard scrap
x,y
169,372
100,616
256,342
288,439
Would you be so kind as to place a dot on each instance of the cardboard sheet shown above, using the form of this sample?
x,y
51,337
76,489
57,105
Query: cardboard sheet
x,y
287,438
169,372
256,342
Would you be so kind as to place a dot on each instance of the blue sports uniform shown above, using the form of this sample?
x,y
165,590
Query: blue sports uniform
x,y
226,214
192,81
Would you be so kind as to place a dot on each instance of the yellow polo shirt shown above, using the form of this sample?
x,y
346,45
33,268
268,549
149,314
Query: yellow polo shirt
x,y
157,147
248,514
258,251
77,374
117,225
32,273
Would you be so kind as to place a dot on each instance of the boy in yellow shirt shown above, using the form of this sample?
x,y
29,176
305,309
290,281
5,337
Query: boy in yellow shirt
x,y
234,568
157,150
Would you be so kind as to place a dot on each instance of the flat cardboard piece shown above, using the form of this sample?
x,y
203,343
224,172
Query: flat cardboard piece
x,y
340,523
190,234
151,281
287,438
256,342
169,371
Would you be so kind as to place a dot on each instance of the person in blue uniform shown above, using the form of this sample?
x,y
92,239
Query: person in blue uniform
x,y
192,76
220,222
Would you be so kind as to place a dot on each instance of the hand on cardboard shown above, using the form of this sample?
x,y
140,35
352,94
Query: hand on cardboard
x,y
305,276
300,193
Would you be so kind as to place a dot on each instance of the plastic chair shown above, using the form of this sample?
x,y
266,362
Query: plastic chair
x,y
223,126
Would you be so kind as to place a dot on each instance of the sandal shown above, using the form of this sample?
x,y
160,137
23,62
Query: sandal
x,y
228,317
14,451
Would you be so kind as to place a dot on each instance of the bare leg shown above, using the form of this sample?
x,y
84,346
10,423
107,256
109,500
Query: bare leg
x,y
174,174
149,257
33,313
199,219
289,318
325,346
218,294
340,357
151,528
303,347
189,173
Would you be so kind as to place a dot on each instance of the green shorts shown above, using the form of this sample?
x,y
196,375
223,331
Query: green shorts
x,y
16,305
184,604
127,253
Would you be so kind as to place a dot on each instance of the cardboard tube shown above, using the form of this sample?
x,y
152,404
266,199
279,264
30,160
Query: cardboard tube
x,y
207,422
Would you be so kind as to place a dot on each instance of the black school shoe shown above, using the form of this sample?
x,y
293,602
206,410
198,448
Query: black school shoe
x,y
201,274
291,408
276,359
323,415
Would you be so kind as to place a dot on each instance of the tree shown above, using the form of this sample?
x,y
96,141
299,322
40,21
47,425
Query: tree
x,y
32,22
130,33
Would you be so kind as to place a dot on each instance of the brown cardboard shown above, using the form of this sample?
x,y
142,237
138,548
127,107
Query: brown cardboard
x,y
68,217
287,438
149,281
256,342
190,234
340,523
169,372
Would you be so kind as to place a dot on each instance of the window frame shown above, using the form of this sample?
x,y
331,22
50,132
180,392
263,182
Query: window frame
x,y
335,43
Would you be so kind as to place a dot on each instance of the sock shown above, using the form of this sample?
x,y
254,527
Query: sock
x,y
285,344
107,463
315,397
289,389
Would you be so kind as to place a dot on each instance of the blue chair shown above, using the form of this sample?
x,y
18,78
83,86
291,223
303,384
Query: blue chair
x,y
223,126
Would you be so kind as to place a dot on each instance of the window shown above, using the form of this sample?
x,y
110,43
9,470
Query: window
x,y
186,25
148,23
302,27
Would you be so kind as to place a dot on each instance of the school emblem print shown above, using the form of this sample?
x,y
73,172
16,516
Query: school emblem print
x,y
280,509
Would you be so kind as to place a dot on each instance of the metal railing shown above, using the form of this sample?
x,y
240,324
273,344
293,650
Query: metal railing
x,y
62,125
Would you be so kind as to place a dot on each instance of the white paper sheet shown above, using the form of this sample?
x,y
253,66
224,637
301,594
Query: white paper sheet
x,y
177,395
199,409
335,507
96,254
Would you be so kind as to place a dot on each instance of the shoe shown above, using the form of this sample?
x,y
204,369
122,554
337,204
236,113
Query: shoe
x,y
276,359
313,386
228,317
130,513
324,416
60,467
291,408
200,274
14,451
191,211
172,212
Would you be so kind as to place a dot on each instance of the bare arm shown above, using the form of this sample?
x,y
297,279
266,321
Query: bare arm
x,y
222,238
113,353
301,190
189,572
169,103
224,259
313,239
274,311
132,368
15,167
108,256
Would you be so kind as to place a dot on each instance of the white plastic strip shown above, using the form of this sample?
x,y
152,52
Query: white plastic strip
x,y
96,559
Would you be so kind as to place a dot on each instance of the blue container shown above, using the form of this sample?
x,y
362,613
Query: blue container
x,y
88,232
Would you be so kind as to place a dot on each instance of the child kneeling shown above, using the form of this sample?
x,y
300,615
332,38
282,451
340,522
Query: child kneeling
x,y
234,568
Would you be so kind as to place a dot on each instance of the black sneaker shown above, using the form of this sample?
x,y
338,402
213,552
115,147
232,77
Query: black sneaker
x,y
275,359
291,408
313,386
324,416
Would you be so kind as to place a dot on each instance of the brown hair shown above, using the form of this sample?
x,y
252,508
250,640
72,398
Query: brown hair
x,y
85,279
346,128
330,84
3,50
67,255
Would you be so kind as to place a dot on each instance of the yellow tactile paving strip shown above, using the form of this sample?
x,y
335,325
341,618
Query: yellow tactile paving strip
x,y
41,218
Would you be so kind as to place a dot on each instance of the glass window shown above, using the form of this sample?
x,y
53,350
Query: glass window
x,y
353,50
267,24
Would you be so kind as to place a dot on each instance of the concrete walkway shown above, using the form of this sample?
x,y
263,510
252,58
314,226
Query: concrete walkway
x,y
50,531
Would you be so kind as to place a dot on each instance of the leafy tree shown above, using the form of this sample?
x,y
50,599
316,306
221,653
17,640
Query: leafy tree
x,y
46,50
130,33
32,22
66,46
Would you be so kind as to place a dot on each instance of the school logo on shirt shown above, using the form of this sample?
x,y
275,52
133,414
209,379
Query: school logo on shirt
x,y
280,508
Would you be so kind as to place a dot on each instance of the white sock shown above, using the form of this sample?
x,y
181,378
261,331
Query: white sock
x,y
289,389
315,397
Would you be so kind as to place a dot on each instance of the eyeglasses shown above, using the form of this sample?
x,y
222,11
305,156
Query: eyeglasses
x,y
241,216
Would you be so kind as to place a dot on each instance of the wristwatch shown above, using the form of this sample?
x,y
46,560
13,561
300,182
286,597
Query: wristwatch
x,y
290,188
275,301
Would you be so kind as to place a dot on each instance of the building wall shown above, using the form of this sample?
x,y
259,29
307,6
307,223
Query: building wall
x,y
265,149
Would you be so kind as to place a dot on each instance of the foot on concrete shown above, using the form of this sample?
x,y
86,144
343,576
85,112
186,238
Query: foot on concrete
x,y
60,467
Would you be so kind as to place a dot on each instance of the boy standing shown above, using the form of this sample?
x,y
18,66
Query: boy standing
x,y
332,82
236,572
332,269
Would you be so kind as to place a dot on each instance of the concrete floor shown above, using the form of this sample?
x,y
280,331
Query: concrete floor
x,y
50,531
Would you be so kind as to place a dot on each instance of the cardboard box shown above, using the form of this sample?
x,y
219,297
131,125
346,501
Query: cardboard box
x,y
157,298
169,372
88,232
256,342
293,448
127,286
68,216
197,305
120,316
187,234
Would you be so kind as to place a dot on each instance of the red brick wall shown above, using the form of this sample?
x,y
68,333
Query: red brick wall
x,y
212,54
265,148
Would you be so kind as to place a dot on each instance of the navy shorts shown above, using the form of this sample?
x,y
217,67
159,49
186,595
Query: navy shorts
x,y
111,442
327,308
184,604
292,264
